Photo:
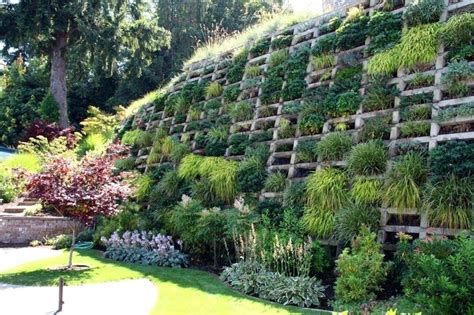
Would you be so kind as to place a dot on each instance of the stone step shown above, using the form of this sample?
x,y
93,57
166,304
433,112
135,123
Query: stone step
x,y
28,203
31,199
15,209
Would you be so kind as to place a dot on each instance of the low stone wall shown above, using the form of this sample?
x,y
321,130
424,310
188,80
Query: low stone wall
x,y
22,230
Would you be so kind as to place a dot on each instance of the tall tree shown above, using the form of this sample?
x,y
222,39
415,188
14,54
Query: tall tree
x,y
102,31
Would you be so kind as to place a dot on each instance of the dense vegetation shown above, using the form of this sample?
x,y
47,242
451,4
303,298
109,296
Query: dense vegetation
x,y
198,157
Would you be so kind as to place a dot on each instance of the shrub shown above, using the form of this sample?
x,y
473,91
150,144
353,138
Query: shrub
x,y
334,146
404,181
368,159
49,109
241,111
423,12
238,143
441,281
132,137
276,182
318,222
449,202
231,94
306,151
61,241
351,218
454,157
347,103
326,44
415,129
361,271
418,45
366,190
250,277
213,89
375,128
455,79
294,89
144,248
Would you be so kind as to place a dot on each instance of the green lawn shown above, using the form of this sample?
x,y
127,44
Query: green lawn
x,y
181,291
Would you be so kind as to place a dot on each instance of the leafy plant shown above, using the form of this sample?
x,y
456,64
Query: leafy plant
x,y
454,157
418,45
455,79
361,270
463,110
347,103
416,113
415,129
457,31
421,80
334,146
285,129
368,159
375,128
352,218
237,67
276,182
421,98
281,41
126,164
404,182
241,111
366,190
327,189
251,174
260,47
385,30
277,58
437,280
326,44
423,12
213,89
449,202
331,26
231,94
311,123
253,71
306,151
379,96
318,222
352,32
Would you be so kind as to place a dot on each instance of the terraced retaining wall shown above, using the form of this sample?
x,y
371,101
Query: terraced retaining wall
x,y
283,150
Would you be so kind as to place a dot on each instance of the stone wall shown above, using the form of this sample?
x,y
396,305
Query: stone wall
x,y
22,230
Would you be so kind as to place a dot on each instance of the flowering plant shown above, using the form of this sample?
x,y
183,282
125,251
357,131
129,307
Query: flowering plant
x,y
145,248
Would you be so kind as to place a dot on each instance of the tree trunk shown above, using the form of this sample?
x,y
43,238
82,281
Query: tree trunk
x,y
57,82
73,243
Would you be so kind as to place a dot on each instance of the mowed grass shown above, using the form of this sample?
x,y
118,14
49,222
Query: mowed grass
x,y
180,291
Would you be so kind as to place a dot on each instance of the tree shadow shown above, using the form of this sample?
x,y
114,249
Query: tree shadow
x,y
100,272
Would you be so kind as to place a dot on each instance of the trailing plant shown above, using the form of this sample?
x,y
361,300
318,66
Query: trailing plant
x,y
415,129
334,146
366,190
423,12
455,79
276,182
213,89
418,45
352,218
404,182
368,159
361,270
375,128
449,202
454,157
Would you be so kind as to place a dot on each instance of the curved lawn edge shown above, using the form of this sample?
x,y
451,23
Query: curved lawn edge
x,y
180,291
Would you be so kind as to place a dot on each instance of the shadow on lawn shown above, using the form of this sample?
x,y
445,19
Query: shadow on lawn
x,y
108,270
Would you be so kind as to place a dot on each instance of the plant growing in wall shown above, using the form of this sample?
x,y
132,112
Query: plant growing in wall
x,y
375,128
281,41
334,146
276,182
231,94
352,218
366,190
385,30
323,61
331,26
260,47
216,142
253,71
213,89
404,182
452,158
379,96
311,123
368,159
456,77
285,129
352,32
423,12
237,67
415,129
241,111
306,151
